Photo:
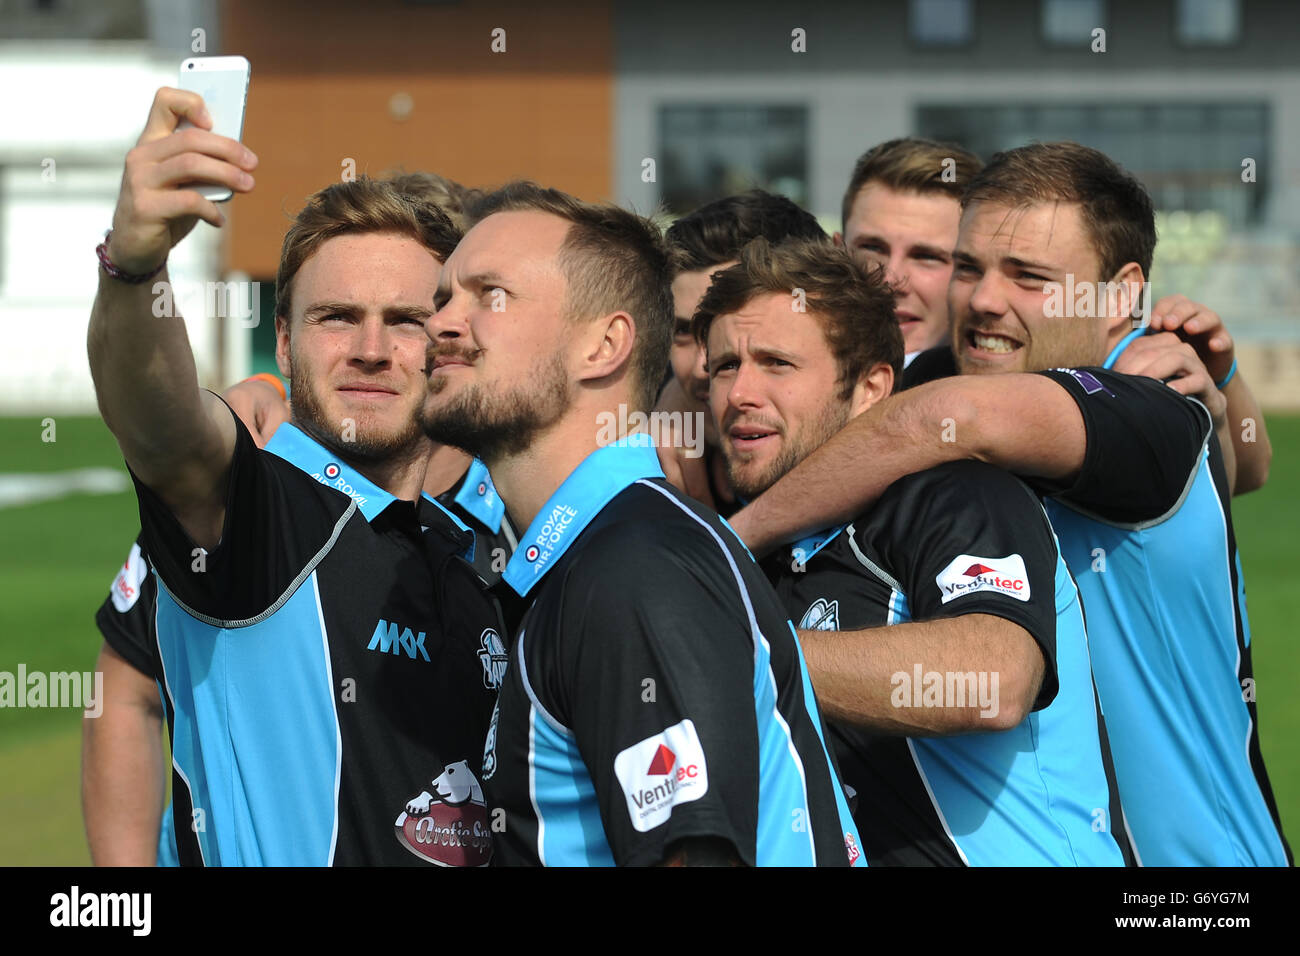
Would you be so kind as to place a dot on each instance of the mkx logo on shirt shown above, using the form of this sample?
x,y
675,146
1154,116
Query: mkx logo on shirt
x,y
968,574
660,772
388,640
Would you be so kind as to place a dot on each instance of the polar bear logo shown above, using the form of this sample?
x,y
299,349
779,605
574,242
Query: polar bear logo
x,y
455,785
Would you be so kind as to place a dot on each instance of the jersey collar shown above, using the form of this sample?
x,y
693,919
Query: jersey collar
x,y
1123,343
479,497
306,454
592,485
802,551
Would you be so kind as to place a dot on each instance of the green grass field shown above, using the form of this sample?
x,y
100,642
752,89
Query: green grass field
x,y
59,558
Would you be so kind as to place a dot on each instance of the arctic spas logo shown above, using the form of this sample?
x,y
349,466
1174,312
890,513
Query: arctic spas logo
x,y
660,772
968,574
447,824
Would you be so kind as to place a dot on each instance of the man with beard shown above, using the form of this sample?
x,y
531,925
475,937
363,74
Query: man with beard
x,y
325,648
1132,477
630,729
947,649
701,242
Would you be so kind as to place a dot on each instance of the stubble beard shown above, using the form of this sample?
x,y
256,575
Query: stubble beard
x,y
369,445
835,415
493,425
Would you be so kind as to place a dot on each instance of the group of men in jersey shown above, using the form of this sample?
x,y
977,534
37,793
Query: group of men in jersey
x,y
427,612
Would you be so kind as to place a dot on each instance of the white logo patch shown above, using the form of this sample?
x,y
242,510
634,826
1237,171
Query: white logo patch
x,y
660,772
492,653
968,574
823,615
126,586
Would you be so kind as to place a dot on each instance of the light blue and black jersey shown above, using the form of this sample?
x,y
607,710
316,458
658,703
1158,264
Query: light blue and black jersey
x,y
656,692
1147,530
329,670
964,539
474,500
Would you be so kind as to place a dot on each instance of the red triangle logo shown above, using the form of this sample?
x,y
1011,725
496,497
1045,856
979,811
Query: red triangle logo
x,y
978,569
663,762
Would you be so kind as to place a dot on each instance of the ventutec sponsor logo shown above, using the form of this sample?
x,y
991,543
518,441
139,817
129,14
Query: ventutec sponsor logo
x,y
660,772
969,574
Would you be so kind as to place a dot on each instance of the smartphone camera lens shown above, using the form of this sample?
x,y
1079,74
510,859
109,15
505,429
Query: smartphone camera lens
x,y
190,65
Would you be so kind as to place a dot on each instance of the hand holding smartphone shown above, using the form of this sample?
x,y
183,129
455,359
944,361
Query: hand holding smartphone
x,y
222,81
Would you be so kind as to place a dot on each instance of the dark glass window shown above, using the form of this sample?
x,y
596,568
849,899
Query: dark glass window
x,y
710,151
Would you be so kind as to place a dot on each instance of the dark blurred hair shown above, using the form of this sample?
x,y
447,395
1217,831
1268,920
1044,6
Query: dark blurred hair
x,y
447,194
911,165
854,304
1117,211
717,231
614,260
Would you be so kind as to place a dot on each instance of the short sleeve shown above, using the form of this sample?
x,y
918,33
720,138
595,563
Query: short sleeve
x,y
278,522
126,618
969,538
1144,445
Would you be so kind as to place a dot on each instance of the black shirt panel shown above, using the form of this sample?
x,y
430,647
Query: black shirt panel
x,y
925,524
278,522
1144,445
932,364
126,618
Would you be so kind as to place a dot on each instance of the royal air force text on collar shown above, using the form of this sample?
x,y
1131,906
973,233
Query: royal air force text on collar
x,y
333,478
550,535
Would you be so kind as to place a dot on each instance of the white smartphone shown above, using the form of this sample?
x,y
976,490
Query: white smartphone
x,y
222,81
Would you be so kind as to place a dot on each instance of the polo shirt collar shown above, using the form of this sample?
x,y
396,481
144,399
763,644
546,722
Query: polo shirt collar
x,y
802,551
592,485
479,497
306,454
1120,346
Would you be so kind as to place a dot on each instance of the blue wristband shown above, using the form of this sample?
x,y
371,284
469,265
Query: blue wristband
x,y
1227,378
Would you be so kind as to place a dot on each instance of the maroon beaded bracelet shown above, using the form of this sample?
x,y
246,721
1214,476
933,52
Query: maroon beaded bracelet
x,y
101,250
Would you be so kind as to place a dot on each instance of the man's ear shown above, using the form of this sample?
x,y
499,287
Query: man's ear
x,y
874,385
282,359
838,239
1124,297
607,346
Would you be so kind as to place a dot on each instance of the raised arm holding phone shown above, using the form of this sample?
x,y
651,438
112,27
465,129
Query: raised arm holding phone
x,y
178,438
319,626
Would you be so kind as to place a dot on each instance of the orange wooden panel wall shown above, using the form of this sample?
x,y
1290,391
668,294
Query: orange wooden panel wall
x,y
323,75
